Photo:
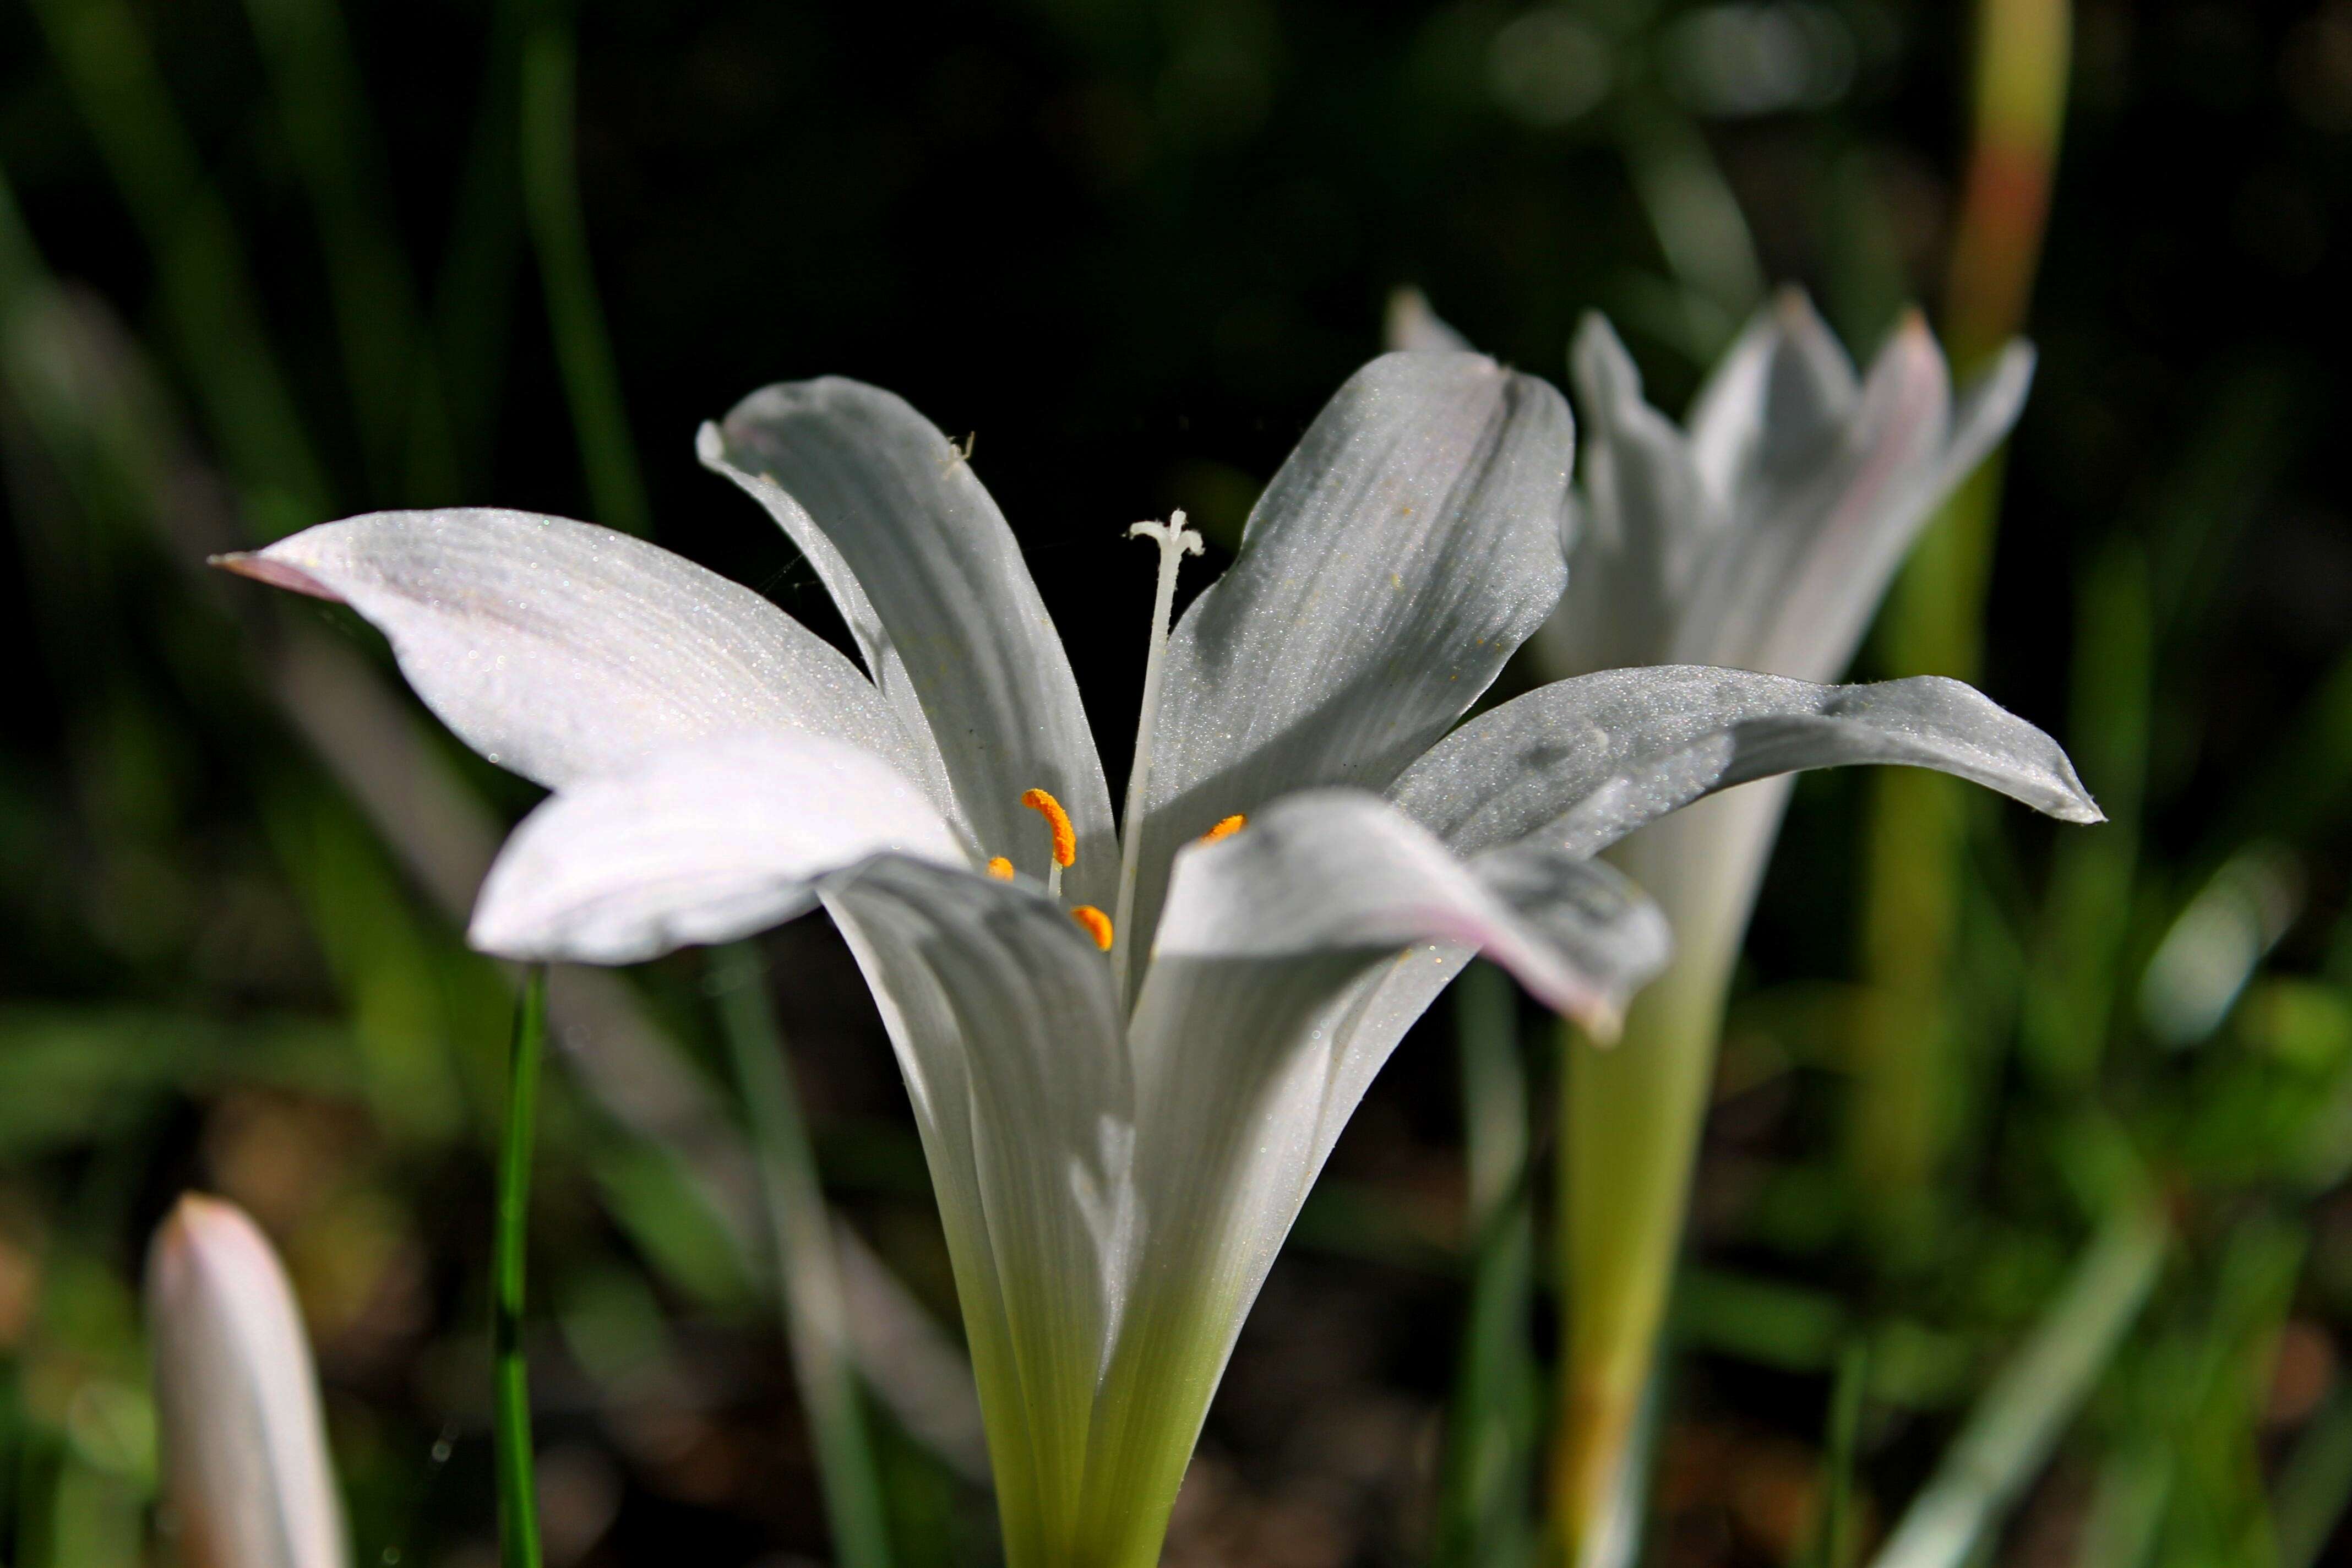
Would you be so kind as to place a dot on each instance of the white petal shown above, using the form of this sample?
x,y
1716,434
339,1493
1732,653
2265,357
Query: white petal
x,y
563,650
1645,517
1775,399
1585,762
703,844
245,1463
1343,871
1412,327
928,577
1002,1013
1276,955
1412,542
1819,529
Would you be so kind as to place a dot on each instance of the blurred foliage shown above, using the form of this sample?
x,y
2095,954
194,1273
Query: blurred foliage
x,y
270,262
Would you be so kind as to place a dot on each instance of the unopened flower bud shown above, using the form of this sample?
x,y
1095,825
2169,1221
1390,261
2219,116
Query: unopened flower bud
x,y
245,1465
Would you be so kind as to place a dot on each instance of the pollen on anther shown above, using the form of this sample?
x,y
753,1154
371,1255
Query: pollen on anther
x,y
1001,868
1098,924
1066,837
1226,829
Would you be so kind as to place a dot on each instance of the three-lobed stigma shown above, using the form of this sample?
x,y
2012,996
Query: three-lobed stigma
x,y
1226,829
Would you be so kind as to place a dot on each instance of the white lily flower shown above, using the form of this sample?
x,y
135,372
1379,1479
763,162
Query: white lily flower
x,y
1761,536
245,1463
1122,1112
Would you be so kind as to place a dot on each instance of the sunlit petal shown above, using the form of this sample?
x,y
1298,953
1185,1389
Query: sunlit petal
x,y
1584,762
1008,1034
1407,546
563,650
700,844
916,554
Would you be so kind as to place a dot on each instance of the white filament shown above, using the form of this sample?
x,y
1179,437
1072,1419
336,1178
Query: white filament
x,y
1176,541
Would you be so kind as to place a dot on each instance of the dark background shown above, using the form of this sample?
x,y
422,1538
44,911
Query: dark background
x,y
1133,246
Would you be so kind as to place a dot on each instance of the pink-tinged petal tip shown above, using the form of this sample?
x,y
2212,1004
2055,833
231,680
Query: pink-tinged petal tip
x,y
276,574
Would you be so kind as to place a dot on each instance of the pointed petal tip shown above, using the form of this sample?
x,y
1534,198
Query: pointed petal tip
x,y
1603,1023
262,567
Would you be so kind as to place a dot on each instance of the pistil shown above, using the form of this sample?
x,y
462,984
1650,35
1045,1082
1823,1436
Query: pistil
x,y
1176,541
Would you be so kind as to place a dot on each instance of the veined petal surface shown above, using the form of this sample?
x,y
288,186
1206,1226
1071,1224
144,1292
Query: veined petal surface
x,y
563,651
1010,1039
697,843
1645,515
917,555
1344,871
1818,529
244,1462
1407,546
1270,941
1582,763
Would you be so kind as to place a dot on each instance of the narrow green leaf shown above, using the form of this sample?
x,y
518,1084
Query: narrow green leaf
x,y
2017,1422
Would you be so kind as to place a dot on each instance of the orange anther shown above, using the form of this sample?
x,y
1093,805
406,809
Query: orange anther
x,y
1098,924
1226,829
1001,868
1065,838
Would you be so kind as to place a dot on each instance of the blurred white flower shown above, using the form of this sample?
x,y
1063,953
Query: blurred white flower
x,y
245,1472
1120,1143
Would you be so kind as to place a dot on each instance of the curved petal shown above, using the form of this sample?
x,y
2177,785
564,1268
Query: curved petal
x,y
244,1462
1819,529
1584,762
703,844
928,577
1009,1038
1776,400
1343,871
1407,546
563,651
1278,949
1645,517
1410,326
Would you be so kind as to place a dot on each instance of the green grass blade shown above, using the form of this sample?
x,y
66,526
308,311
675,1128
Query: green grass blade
x,y
559,232
208,298
387,358
1487,1477
1835,1548
808,1273
2017,1422
518,1491
2315,1486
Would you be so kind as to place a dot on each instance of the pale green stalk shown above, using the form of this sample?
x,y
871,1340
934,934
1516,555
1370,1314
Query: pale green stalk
x,y
1633,1113
1934,626
808,1275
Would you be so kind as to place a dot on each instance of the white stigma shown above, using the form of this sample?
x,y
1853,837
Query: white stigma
x,y
1176,541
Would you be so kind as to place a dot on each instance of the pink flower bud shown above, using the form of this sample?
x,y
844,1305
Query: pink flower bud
x,y
245,1467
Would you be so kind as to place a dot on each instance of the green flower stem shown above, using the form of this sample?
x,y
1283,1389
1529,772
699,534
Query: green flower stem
x,y
807,1270
1630,1115
517,1492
